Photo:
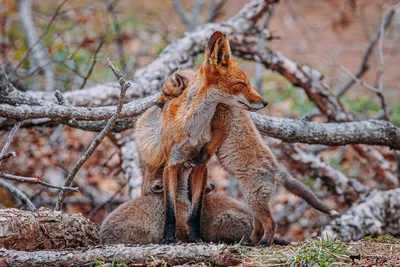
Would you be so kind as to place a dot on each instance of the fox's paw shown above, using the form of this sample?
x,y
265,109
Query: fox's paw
x,y
169,240
265,242
194,236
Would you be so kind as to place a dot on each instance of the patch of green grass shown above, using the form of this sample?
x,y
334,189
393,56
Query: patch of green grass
x,y
323,251
98,263
381,239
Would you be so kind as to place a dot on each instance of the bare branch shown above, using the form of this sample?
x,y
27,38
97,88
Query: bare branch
x,y
369,132
261,40
7,156
181,12
215,10
39,55
60,98
95,61
32,180
382,66
19,194
29,22
9,140
367,53
100,137
120,40
195,14
349,189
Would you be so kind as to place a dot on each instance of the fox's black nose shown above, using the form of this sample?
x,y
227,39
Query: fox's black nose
x,y
265,103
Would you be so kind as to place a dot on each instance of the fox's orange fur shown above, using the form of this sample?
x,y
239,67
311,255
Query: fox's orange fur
x,y
186,124
148,129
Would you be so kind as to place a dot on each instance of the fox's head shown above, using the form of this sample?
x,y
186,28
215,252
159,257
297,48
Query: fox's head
x,y
223,74
174,86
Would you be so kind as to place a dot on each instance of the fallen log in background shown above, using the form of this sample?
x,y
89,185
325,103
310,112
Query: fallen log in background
x,y
45,229
221,255
375,215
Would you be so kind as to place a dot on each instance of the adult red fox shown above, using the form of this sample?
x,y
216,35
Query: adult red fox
x,y
186,124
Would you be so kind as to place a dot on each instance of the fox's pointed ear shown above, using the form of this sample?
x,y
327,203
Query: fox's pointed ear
x,y
218,50
179,80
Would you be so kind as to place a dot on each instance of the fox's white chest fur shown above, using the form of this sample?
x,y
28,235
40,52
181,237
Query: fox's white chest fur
x,y
198,118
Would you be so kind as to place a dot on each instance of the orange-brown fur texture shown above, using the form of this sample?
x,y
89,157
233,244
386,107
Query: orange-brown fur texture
x,y
186,122
245,156
142,221
148,129
224,220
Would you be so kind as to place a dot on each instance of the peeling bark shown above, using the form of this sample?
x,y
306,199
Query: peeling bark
x,y
377,214
45,229
216,255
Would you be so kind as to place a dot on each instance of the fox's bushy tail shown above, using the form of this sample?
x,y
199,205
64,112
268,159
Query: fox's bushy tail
x,y
301,190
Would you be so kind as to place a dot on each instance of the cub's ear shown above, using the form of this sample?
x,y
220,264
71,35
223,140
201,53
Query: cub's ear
x,y
179,81
157,187
218,50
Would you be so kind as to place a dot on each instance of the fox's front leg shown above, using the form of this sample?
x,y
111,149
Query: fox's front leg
x,y
170,181
198,178
210,148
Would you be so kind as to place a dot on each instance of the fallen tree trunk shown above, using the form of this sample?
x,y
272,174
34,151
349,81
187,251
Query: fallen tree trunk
x,y
45,229
377,214
221,255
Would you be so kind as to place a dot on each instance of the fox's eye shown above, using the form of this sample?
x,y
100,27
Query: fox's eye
x,y
238,87
166,94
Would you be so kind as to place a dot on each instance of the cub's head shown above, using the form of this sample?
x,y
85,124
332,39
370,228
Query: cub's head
x,y
174,86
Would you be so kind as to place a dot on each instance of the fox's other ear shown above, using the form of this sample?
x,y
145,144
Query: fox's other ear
x,y
218,50
157,187
179,80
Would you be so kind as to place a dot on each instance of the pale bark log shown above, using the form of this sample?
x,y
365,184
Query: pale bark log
x,y
45,229
130,165
216,255
377,214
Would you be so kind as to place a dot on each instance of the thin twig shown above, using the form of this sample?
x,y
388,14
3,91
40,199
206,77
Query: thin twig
x,y
367,54
195,14
46,31
94,211
19,194
181,12
214,10
95,61
7,156
9,140
39,55
382,66
33,180
100,137
261,40
60,98
117,28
